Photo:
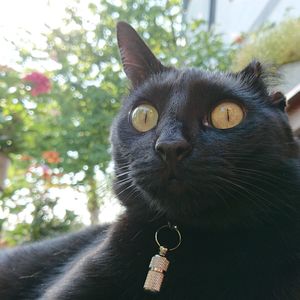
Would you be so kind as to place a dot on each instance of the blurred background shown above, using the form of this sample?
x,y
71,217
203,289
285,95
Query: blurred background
x,y
61,84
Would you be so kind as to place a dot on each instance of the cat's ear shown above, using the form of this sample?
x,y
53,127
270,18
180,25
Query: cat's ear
x,y
256,75
278,100
254,70
137,59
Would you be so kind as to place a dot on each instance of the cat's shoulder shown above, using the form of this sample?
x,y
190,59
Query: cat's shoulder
x,y
25,267
66,242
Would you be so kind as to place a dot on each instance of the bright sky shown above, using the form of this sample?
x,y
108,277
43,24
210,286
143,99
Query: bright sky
x,y
16,18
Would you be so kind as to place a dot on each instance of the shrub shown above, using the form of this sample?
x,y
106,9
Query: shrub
x,y
276,44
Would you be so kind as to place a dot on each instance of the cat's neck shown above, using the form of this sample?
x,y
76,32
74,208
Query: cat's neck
x,y
142,231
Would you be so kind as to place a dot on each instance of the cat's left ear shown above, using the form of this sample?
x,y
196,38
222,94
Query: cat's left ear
x,y
138,60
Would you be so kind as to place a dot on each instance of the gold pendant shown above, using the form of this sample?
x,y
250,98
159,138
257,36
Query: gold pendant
x,y
159,263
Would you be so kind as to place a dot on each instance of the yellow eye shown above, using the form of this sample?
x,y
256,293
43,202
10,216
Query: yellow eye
x,y
144,117
226,115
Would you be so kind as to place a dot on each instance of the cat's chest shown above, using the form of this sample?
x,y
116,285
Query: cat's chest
x,y
218,285
198,275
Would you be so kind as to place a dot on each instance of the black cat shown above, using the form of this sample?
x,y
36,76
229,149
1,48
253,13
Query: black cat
x,y
208,155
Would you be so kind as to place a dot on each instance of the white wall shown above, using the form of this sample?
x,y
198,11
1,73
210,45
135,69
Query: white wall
x,y
236,16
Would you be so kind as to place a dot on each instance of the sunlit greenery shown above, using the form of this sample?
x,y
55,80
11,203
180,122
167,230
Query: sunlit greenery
x,y
72,120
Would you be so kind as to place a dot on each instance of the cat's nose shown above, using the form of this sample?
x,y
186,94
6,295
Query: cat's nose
x,y
173,150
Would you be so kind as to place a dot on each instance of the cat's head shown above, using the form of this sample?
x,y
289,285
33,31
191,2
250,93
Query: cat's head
x,y
197,146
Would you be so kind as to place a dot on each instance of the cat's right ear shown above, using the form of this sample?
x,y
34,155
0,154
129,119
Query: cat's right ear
x,y
137,59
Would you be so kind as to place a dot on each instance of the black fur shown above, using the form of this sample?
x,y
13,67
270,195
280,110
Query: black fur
x,y
235,196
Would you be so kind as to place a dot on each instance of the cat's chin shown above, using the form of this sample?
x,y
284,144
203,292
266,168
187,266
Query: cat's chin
x,y
176,200
179,205
175,186
208,219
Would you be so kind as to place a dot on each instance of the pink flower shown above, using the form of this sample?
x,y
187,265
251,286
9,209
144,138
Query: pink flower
x,y
46,172
40,84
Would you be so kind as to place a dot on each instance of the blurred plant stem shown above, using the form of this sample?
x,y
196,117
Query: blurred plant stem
x,y
93,202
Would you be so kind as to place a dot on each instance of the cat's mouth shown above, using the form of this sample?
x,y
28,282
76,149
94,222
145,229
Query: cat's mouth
x,y
175,184
172,180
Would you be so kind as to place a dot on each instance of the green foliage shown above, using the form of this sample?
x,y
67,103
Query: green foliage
x,y
276,44
206,49
44,225
88,84
14,117
29,205
24,120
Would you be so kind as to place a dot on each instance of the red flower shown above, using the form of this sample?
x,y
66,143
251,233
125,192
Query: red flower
x,y
40,84
239,39
52,157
